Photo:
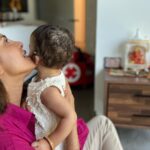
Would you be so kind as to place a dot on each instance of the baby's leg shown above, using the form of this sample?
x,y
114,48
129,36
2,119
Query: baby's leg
x,y
102,135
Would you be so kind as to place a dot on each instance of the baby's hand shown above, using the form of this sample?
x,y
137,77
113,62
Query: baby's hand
x,y
26,106
41,145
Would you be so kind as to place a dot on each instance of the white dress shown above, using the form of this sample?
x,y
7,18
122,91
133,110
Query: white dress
x,y
46,120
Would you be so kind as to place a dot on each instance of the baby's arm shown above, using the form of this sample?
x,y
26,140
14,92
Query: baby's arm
x,y
53,100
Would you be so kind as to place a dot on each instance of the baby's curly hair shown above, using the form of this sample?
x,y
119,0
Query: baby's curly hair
x,y
53,44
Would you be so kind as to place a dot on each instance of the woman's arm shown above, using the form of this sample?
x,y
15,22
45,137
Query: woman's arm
x,y
72,141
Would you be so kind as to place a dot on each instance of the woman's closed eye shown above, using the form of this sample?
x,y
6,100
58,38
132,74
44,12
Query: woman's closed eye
x,y
6,40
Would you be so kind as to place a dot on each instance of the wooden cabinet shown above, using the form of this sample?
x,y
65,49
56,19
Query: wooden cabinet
x,y
127,100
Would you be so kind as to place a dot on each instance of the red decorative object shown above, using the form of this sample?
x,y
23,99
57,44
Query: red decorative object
x,y
80,70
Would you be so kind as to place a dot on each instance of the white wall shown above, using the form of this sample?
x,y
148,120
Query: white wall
x,y
116,22
18,32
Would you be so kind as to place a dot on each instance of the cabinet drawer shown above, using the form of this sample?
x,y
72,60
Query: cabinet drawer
x,y
129,104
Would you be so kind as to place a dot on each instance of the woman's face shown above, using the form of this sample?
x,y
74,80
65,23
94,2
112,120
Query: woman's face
x,y
12,57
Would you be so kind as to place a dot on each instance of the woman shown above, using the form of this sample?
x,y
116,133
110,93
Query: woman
x,y
17,125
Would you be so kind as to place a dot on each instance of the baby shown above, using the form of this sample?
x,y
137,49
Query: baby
x,y
51,48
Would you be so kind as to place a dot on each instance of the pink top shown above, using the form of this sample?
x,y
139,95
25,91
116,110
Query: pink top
x,y
83,132
16,129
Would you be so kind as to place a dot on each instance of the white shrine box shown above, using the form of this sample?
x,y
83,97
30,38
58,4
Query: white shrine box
x,y
136,55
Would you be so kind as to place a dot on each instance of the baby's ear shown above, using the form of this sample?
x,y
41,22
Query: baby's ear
x,y
37,59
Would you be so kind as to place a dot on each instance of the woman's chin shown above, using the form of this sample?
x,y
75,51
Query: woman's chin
x,y
31,64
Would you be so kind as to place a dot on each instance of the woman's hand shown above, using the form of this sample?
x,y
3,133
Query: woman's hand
x,y
72,141
41,145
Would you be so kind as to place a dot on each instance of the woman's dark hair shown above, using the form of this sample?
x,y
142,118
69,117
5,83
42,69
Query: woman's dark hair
x,y
53,44
3,98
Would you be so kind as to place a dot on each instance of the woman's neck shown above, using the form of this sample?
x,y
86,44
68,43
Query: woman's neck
x,y
44,72
14,89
